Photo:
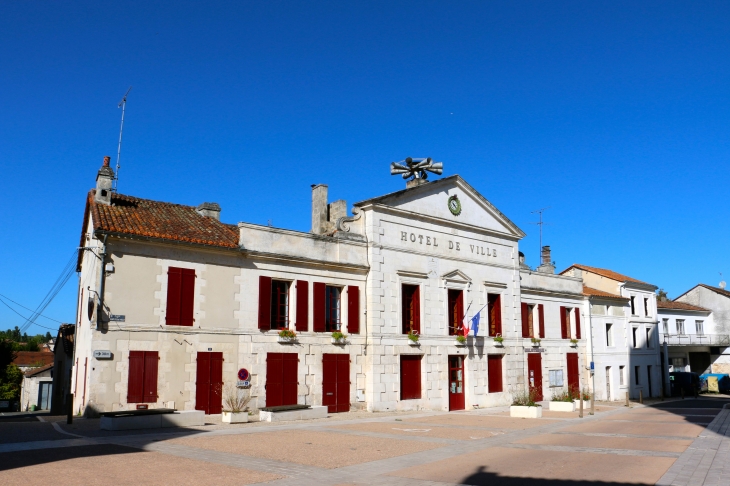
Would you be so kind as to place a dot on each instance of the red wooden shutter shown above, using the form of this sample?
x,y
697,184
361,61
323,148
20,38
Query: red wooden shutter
x,y
319,301
264,303
150,376
563,323
498,314
329,382
135,383
541,317
416,303
577,323
215,400
187,297
274,379
202,382
174,285
494,372
302,306
410,377
573,374
353,309
343,382
525,323
290,383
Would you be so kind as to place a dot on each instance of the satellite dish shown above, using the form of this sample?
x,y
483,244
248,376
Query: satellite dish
x,y
723,285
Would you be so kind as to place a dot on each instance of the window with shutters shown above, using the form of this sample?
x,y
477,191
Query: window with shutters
x,y
180,296
410,314
279,304
494,373
410,377
332,308
565,322
494,312
455,312
142,381
530,321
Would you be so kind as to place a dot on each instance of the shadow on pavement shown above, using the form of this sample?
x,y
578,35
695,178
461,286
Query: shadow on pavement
x,y
13,460
482,477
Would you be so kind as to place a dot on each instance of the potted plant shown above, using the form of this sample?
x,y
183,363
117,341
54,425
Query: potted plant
x,y
562,401
287,336
339,338
413,337
574,343
524,405
535,342
235,405
460,340
498,339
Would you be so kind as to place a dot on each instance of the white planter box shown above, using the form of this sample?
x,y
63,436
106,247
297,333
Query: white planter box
x,y
234,417
314,412
339,341
287,340
562,406
413,343
525,412
498,344
459,343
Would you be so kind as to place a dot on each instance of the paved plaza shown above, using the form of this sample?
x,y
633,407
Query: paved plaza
x,y
680,442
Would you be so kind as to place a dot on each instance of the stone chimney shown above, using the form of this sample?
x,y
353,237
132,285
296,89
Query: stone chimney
x,y
324,215
104,180
546,264
523,265
210,209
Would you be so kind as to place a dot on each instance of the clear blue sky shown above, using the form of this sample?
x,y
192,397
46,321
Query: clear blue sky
x,y
614,114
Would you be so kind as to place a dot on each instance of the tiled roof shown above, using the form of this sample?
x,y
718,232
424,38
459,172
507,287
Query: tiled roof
x,y
65,339
30,358
716,289
36,371
133,216
670,304
603,272
591,292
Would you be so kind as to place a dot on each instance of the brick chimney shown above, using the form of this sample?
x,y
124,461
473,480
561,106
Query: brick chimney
x,y
546,264
104,179
210,209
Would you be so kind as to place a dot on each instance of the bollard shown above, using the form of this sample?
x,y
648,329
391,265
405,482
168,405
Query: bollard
x,y
580,414
69,408
641,396
627,399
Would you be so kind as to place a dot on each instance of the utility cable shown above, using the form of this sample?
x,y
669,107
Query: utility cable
x,y
60,282
27,308
21,315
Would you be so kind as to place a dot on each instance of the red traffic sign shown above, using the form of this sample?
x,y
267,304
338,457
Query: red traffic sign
x,y
243,374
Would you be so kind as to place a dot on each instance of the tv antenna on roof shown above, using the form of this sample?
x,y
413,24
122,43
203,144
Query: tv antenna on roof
x,y
540,224
722,282
122,104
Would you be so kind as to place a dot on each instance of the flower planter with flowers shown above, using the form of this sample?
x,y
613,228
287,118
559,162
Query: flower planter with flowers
x,y
339,338
235,405
413,338
498,341
524,406
460,340
287,336
535,342
573,343
562,401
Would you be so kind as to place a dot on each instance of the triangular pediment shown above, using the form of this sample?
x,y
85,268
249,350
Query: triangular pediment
x,y
456,276
450,199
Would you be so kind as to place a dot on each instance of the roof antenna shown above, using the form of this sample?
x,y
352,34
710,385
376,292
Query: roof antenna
x,y
122,104
540,224
722,282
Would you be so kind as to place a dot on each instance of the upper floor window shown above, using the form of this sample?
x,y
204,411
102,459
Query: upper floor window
x,y
635,339
332,307
609,335
410,313
528,321
665,326
646,306
494,314
633,305
455,312
180,296
700,328
648,338
279,304
680,326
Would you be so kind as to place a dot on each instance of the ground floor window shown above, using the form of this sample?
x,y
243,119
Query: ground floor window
x,y
636,375
494,373
410,377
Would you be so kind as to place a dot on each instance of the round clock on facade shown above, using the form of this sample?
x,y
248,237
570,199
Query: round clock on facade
x,y
455,205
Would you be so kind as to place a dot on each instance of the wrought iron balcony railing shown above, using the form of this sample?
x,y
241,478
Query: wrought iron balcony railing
x,y
695,339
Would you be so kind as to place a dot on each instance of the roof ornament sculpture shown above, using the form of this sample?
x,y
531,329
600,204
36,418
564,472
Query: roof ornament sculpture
x,y
416,169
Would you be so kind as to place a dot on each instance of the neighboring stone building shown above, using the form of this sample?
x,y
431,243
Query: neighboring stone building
x,y
63,350
173,303
623,344
704,342
36,388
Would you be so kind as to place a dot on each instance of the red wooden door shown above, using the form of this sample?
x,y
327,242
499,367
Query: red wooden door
x,y
336,382
534,375
456,383
573,373
281,379
209,383
410,377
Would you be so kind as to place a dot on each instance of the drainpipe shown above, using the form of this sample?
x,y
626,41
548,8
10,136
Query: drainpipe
x,y
593,371
100,309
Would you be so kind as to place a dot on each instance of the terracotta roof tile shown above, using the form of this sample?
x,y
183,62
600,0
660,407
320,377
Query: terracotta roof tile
x,y
36,371
591,292
30,358
671,304
134,216
603,272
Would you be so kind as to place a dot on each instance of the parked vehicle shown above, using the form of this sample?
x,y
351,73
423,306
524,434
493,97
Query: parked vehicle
x,y
684,381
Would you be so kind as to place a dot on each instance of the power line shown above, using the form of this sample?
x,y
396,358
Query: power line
x,y
21,315
60,282
27,308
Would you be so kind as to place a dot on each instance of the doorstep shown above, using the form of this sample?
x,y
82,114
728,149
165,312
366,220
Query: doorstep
x,y
298,414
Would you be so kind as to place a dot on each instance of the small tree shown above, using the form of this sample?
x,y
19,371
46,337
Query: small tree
x,y
10,381
661,295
